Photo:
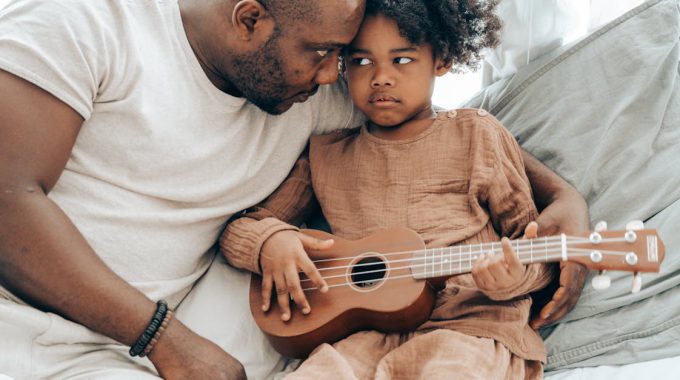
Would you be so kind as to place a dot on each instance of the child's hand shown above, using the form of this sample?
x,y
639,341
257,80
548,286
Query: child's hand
x,y
498,272
281,257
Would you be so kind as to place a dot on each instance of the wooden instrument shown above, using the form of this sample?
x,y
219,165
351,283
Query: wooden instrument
x,y
388,281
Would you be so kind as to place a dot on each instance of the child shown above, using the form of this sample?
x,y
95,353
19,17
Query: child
x,y
455,177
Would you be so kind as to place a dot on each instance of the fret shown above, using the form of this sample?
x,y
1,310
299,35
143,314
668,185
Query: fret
x,y
441,261
460,259
450,260
531,250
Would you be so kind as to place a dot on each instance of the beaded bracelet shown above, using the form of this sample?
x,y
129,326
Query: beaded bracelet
x,y
149,347
151,329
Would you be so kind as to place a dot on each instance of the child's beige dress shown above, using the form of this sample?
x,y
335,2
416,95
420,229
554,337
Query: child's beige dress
x,y
461,181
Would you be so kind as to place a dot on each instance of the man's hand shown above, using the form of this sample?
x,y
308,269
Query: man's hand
x,y
282,256
567,214
182,354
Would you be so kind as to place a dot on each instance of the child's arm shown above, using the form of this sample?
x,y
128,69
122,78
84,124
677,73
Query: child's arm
x,y
265,240
508,198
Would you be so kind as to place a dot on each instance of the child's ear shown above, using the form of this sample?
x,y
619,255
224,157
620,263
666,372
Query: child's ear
x,y
442,67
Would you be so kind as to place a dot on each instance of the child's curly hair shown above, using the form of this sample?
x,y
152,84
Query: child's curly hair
x,y
457,30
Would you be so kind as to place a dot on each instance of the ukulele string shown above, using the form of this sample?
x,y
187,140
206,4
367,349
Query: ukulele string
x,y
406,276
516,244
474,249
452,270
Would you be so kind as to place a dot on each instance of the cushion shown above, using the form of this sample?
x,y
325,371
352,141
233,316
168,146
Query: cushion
x,y
604,113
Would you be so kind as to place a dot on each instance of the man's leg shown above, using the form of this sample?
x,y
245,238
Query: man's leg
x,y
38,345
218,309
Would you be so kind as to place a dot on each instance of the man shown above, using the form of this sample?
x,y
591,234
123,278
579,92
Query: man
x,y
129,133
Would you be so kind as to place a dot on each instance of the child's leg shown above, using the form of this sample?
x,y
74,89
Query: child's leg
x,y
446,354
354,357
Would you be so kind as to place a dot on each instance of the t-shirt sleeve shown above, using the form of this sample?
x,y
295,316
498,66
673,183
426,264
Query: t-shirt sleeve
x,y
332,108
57,46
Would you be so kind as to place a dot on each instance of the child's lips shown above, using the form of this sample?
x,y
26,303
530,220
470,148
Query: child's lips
x,y
382,99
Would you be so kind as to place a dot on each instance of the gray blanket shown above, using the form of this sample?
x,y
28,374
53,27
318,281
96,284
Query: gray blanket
x,y
604,113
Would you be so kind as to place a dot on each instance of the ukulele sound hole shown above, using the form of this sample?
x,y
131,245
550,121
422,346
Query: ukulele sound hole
x,y
368,272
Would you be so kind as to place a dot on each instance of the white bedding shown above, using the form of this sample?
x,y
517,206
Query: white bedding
x,y
561,114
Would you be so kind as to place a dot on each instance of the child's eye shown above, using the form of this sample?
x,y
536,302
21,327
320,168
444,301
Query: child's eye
x,y
322,53
402,60
361,61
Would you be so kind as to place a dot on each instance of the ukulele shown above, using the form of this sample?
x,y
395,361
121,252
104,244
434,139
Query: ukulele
x,y
388,281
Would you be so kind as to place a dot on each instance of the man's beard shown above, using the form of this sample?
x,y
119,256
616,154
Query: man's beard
x,y
260,79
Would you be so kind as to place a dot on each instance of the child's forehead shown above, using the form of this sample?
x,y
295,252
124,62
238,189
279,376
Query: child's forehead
x,y
380,32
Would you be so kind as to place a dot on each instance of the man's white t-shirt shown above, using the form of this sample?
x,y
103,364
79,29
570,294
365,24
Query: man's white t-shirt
x,y
163,158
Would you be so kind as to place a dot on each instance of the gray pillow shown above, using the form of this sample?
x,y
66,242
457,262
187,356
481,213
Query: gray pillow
x,y
604,113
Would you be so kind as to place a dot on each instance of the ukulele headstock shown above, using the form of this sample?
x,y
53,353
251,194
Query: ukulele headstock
x,y
632,250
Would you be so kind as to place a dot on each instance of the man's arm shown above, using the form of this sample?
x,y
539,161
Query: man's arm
x,y
47,262
562,210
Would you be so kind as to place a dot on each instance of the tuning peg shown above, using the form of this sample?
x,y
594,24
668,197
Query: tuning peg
x,y
635,225
637,283
601,226
601,281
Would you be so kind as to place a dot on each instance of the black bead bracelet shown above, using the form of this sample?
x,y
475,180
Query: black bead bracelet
x,y
150,331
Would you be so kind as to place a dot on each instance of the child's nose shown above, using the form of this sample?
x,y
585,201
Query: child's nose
x,y
382,78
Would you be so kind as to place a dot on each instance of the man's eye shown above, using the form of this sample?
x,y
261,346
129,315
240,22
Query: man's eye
x,y
361,61
322,53
402,60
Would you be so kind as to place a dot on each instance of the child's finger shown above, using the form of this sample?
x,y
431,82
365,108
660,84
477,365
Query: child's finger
x,y
531,231
267,283
512,262
295,289
480,272
313,273
316,244
282,295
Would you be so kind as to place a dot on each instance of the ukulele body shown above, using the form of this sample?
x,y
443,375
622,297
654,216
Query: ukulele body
x,y
371,287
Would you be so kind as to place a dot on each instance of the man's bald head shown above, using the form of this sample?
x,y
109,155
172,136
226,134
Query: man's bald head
x,y
287,12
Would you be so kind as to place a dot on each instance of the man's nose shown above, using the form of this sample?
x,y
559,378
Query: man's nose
x,y
382,77
328,72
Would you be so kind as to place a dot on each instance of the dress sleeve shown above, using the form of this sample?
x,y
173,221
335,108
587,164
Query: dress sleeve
x,y
285,209
510,204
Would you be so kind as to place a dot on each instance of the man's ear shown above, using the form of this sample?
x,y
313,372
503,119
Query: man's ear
x,y
252,21
442,67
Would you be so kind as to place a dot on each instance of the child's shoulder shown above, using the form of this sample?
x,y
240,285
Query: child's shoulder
x,y
335,136
478,118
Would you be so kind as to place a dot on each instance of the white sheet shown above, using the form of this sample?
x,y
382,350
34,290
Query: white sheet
x,y
662,369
